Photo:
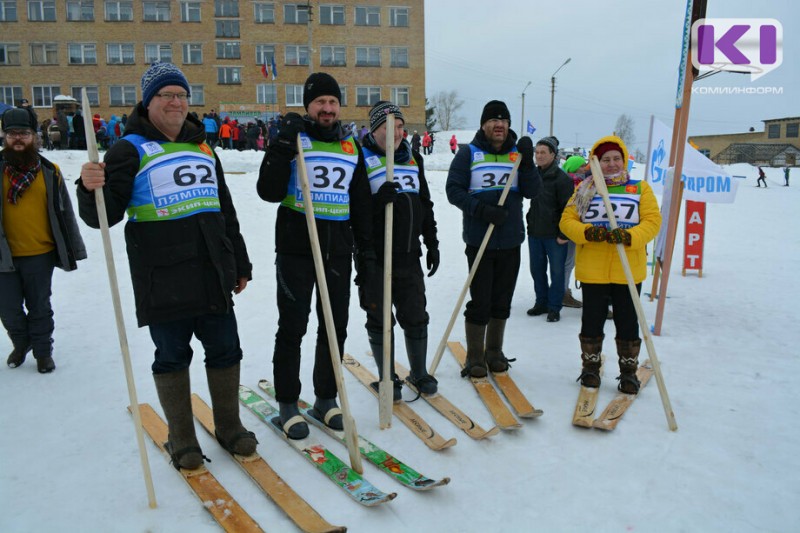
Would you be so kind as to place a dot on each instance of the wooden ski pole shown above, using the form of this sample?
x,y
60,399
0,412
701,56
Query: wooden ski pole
x,y
351,434
94,157
386,387
440,349
602,190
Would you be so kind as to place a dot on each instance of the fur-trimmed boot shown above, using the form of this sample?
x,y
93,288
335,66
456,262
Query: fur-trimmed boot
x,y
476,351
376,345
223,385
592,360
495,358
174,393
417,349
628,351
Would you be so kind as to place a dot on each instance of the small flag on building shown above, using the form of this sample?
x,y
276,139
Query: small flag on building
x,y
264,70
531,129
274,70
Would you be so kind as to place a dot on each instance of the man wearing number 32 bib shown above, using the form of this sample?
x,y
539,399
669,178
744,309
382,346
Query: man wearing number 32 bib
x,y
341,198
475,182
597,263
186,254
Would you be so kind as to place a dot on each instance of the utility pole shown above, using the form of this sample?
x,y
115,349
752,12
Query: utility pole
x,y
522,128
553,92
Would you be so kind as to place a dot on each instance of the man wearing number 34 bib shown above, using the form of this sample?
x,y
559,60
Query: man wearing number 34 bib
x,y
186,254
597,263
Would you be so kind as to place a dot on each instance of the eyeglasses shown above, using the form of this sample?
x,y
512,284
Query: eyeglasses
x,y
167,97
19,134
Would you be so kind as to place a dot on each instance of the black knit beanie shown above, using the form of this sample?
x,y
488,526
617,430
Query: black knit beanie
x,y
495,109
320,84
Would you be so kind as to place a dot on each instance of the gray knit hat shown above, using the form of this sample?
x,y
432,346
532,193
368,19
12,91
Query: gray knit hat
x,y
160,75
550,142
377,115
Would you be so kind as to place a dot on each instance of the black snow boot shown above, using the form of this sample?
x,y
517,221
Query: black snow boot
x,y
376,344
223,385
417,349
17,356
174,394
592,360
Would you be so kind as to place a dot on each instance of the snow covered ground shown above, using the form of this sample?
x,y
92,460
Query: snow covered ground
x,y
729,353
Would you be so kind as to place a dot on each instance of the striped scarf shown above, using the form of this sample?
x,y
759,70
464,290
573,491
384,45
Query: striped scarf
x,y
20,179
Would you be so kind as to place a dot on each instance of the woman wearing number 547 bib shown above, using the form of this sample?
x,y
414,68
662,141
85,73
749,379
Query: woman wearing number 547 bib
x,y
598,266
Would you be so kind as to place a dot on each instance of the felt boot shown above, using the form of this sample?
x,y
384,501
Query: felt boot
x,y
292,422
376,344
417,349
174,394
495,358
476,351
223,385
592,360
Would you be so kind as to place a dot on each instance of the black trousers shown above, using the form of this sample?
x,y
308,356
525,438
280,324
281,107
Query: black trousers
x,y
492,288
296,281
408,297
595,309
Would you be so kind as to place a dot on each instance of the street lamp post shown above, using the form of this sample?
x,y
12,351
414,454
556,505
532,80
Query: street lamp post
x,y
522,119
553,91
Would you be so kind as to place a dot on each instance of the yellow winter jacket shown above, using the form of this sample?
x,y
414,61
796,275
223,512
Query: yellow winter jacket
x,y
598,262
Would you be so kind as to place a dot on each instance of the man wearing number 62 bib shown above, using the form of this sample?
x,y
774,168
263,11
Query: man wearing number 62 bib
x,y
342,212
475,184
186,254
597,263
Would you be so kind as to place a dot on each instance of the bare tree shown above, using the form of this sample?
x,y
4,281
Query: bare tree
x,y
446,106
624,129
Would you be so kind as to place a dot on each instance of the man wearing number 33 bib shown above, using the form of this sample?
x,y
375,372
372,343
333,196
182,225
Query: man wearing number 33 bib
x,y
597,262
187,256
342,211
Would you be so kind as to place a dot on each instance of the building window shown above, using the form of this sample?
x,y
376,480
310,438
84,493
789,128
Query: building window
x,y
8,10
82,54
227,28
41,10
367,96
92,93
161,52
192,53
294,95
229,75
333,56
774,131
791,129
343,90
190,11
120,54
80,10
333,15
10,94
296,55
295,14
9,54
197,95
706,152
121,10
400,96
122,95
266,93
228,50
44,54
368,56
226,8
398,57
43,95
398,17
156,11
264,12
264,53
368,16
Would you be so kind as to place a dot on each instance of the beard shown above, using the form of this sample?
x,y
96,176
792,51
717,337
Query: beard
x,y
21,158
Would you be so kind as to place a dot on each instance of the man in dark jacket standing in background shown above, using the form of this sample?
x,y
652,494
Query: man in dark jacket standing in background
x,y
38,232
546,243
474,184
342,211
185,251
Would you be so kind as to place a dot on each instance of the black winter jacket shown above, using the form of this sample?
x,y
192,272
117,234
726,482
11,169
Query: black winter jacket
x,y
545,213
291,230
180,268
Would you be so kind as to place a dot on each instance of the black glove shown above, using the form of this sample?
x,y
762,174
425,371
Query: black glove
x,y
491,213
525,148
387,193
290,126
366,266
432,260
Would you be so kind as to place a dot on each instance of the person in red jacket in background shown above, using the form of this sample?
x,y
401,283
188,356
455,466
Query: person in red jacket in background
x,y
225,133
453,144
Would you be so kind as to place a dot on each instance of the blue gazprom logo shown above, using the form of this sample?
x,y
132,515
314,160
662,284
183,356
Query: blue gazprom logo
x,y
658,171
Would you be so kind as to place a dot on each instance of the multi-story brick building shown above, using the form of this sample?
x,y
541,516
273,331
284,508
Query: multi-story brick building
x,y
374,48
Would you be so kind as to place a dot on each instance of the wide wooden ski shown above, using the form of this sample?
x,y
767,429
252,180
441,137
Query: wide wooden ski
x,y
448,410
350,481
373,453
515,397
613,412
212,494
491,399
295,507
585,407
401,410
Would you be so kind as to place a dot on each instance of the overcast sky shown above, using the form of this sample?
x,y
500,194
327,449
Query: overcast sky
x,y
624,59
